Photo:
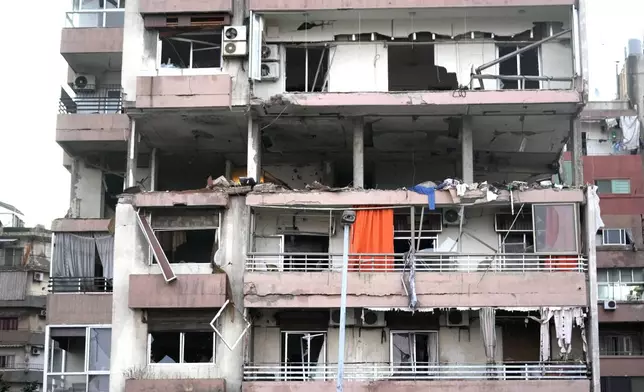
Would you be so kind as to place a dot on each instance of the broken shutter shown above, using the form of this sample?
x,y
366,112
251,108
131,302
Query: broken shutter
x,y
159,254
256,39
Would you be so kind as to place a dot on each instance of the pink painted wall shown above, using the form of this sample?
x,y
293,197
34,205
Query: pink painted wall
x,y
171,6
181,385
421,386
187,291
322,289
622,366
91,40
86,308
92,127
199,91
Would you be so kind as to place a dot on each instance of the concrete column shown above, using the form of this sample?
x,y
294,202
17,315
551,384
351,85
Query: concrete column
x,y
129,333
254,153
132,156
593,317
582,11
234,238
154,169
467,151
74,197
577,152
358,152
228,172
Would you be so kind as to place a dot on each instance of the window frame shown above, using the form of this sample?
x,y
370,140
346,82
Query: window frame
x,y
48,362
190,68
14,250
575,208
520,83
623,240
611,182
182,341
414,332
9,321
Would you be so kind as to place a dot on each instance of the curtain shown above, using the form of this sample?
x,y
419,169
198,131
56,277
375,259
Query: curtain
x,y
544,332
372,232
74,255
488,331
105,247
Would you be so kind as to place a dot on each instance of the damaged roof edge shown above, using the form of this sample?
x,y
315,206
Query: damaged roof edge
x,y
408,197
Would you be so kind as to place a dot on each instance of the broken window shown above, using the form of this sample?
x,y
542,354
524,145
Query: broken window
x,y
515,232
412,68
425,236
309,244
413,351
181,347
524,64
555,227
306,68
188,246
302,352
200,49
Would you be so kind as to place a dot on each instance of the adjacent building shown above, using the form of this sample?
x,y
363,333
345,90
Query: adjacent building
x,y
24,273
226,156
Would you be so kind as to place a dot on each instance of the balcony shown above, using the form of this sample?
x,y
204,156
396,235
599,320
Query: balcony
x,y
621,292
22,336
332,5
179,6
418,377
22,372
76,300
177,92
504,280
92,120
194,291
93,38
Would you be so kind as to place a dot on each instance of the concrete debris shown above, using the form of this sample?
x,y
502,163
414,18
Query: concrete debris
x,y
219,181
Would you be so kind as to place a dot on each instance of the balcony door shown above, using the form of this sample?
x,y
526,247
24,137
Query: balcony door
x,y
304,355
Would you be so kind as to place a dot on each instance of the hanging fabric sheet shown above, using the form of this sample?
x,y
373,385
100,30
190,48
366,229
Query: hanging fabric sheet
x,y
372,234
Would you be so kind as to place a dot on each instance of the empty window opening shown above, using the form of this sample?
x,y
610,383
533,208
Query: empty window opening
x,y
302,351
413,351
306,244
524,64
413,68
113,186
306,68
191,50
182,347
8,324
425,238
188,246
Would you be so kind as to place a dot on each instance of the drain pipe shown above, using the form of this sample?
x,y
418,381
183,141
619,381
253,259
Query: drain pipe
x,y
348,218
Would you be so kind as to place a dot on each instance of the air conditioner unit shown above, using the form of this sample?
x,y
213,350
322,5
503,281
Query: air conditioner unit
x,y
371,319
234,34
85,83
270,52
334,317
457,318
39,276
451,217
610,305
42,313
235,49
270,72
36,351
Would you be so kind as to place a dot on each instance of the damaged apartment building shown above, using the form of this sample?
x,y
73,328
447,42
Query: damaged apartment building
x,y
24,272
229,157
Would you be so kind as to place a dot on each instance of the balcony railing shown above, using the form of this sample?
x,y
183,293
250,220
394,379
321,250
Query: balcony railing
x,y
624,292
95,18
613,353
104,99
425,262
418,371
39,367
80,285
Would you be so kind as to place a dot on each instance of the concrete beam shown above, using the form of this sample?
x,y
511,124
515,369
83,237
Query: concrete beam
x,y
593,317
203,198
358,152
467,150
254,153
577,152
80,225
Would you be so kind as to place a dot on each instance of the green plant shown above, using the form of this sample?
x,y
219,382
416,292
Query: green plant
x,y
4,386
30,387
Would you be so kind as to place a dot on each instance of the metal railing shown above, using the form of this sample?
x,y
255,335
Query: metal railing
x,y
92,99
613,353
10,366
80,285
114,17
425,262
624,292
417,371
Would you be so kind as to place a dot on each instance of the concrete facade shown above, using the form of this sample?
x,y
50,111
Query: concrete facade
x,y
214,156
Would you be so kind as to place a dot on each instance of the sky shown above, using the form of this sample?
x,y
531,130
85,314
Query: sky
x,y
32,177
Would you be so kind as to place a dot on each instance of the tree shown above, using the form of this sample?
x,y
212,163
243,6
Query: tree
x,y
4,386
30,387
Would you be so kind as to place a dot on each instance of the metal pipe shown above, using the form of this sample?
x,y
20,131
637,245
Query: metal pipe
x,y
343,310
519,51
524,77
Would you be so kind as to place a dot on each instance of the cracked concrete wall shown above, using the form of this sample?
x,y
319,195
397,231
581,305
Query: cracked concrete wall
x,y
86,198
